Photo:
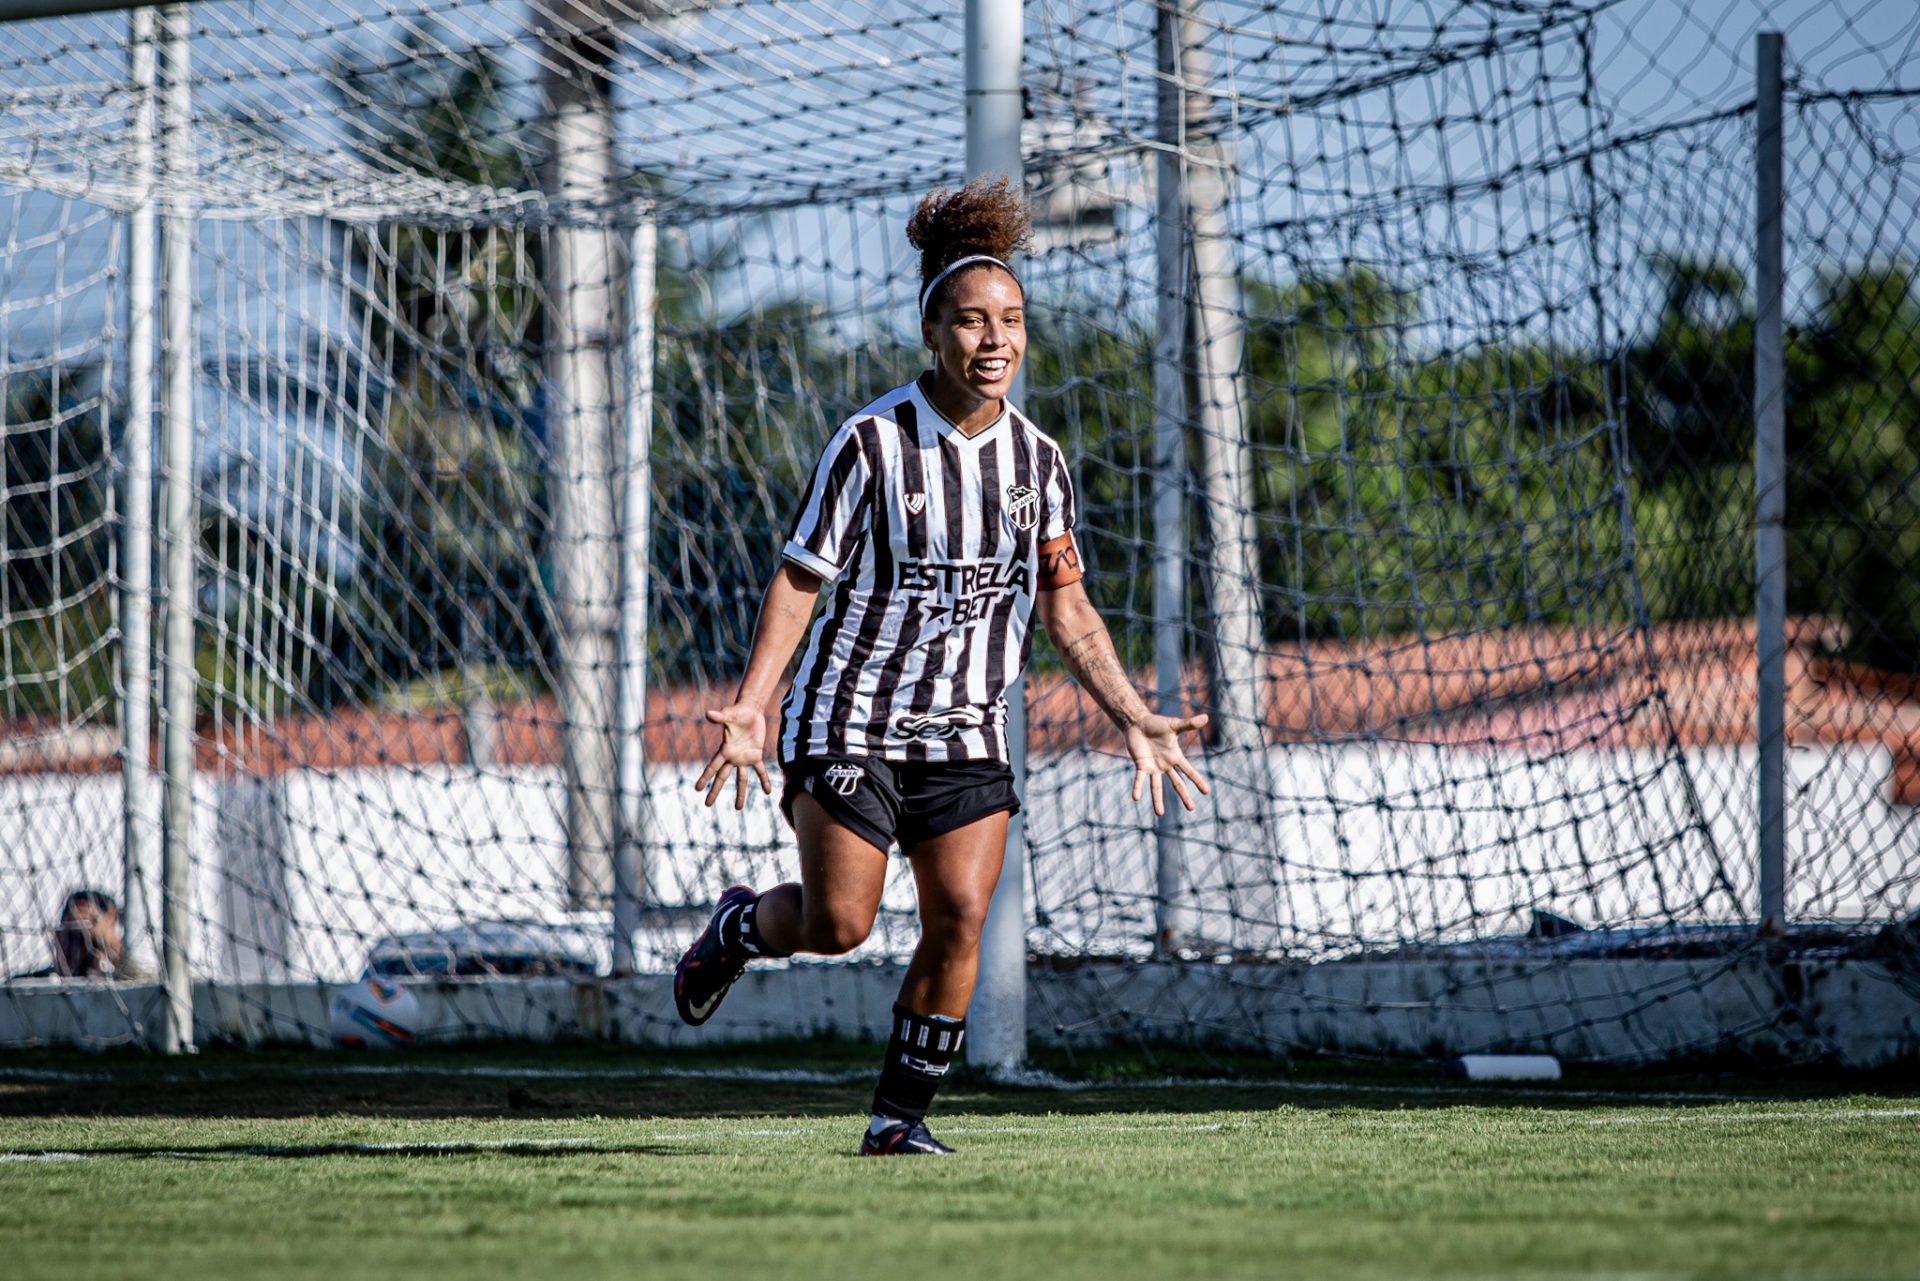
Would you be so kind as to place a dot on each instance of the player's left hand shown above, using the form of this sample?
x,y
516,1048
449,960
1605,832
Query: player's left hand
x,y
1154,743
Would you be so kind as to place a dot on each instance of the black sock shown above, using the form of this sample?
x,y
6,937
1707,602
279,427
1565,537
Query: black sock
x,y
919,1053
740,931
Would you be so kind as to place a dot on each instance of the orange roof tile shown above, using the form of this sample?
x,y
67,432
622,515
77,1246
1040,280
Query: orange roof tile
x,y
1536,690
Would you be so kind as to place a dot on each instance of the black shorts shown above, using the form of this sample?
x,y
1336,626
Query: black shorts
x,y
884,802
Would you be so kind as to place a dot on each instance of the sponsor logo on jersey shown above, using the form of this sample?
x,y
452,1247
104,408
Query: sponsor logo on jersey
x,y
961,592
928,726
960,577
1023,506
916,503
843,778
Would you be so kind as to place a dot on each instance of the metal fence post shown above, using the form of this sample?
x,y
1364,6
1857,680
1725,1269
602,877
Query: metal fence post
x,y
636,513
181,524
1170,455
1218,342
580,299
995,35
1769,486
136,538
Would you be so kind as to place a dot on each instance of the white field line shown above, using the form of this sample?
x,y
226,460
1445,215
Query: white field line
x,y
1835,1114
1408,1122
1099,1128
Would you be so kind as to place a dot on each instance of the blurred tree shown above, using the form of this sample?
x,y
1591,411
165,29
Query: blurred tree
x,y
1853,453
1089,375
453,514
1396,488
53,466
744,406
1853,463
1689,429
1401,490
56,608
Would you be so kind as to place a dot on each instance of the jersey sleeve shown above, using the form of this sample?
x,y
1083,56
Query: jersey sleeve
x,y
833,516
1059,552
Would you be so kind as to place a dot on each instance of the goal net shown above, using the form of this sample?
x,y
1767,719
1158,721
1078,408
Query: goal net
x,y
1419,454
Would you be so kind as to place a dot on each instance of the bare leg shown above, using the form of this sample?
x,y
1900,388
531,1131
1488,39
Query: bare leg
x,y
954,873
832,908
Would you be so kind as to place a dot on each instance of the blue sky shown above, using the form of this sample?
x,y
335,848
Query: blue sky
x,y
829,116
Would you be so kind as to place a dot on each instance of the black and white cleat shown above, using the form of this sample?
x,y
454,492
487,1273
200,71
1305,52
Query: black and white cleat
x,y
708,968
903,1138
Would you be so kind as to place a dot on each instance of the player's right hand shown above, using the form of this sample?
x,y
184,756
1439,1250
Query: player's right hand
x,y
743,745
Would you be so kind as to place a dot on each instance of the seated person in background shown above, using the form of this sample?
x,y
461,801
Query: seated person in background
x,y
87,942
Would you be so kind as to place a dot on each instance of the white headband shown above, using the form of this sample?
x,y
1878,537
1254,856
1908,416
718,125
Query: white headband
x,y
955,265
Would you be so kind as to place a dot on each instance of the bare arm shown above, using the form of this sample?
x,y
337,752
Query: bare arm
x,y
1081,638
785,611
1084,646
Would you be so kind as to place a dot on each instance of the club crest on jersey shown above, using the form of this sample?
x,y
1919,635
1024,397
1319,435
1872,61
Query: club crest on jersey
x,y
1023,506
843,778
927,726
916,503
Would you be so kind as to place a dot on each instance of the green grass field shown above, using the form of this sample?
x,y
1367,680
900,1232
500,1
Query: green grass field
x,y
585,1162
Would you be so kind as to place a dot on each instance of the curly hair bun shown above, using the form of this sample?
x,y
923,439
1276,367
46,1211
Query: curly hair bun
x,y
984,217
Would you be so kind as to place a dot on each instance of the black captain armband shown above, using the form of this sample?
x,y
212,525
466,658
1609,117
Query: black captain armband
x,y
1059,562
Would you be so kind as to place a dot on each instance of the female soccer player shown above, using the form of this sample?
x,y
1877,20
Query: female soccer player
x,y
942,521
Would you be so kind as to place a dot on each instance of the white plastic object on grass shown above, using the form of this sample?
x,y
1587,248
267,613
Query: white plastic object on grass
x,y
1506,1067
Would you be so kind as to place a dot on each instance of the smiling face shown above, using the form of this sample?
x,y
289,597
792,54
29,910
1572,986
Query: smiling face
x,y
977,334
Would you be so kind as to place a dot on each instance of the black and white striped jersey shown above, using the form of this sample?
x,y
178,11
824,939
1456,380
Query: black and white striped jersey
x,y
933,544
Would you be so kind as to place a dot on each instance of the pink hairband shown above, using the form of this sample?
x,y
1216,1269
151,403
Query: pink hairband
x,y
968,261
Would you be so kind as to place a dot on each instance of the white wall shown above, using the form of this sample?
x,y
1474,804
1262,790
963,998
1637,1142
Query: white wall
x,y
1335,845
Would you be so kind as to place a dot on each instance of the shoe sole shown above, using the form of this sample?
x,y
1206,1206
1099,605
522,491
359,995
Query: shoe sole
x,y
867,1151
948,1152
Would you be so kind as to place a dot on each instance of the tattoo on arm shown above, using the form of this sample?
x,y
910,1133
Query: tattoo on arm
x,y
1093,662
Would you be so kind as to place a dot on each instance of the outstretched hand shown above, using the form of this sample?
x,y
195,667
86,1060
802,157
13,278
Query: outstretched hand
x,y
743,746
1154,743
